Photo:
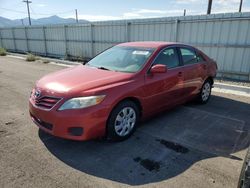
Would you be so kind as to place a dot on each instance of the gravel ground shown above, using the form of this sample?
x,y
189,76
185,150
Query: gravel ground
x,y
189,146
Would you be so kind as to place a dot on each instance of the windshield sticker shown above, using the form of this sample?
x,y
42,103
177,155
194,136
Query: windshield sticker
x,y
140,52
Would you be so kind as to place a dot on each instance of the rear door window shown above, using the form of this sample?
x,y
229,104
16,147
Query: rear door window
x,y
188,56
200,58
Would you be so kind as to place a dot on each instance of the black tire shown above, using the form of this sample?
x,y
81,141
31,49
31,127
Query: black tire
x,y
206,87
112,133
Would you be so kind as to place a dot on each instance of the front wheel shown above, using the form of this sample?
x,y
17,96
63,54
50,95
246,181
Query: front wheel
x,y
123,121
205,92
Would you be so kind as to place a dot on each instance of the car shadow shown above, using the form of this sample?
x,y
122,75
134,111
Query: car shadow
x,y
164,146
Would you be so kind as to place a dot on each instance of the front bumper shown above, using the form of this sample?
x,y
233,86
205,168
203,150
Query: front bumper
x,y
91,120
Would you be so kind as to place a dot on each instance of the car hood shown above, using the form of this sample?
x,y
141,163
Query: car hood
x,y
80,79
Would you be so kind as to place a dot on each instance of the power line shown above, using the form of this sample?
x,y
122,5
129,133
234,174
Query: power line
x,y
11,10
28,8
23,12
37,20
54,13
37,13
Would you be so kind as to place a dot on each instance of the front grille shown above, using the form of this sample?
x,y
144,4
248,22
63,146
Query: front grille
x,y
42,123
46,102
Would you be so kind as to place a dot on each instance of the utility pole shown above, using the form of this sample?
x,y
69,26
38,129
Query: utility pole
x,y
240,5
28,8
184,14
76,16
209,6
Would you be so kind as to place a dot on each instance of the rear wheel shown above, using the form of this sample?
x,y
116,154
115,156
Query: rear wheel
x,y
205,92
123,120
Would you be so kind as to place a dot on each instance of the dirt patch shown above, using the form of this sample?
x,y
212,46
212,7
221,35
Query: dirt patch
x,y
3,132
9,123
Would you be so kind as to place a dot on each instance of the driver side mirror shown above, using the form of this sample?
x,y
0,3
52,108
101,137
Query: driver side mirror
x,y
159,68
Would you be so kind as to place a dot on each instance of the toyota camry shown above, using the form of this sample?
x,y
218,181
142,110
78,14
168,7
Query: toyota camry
x,y
108,96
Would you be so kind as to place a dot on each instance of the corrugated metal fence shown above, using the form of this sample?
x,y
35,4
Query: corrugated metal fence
x,y
224,37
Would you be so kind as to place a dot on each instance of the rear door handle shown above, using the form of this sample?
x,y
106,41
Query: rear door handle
x,y
204,66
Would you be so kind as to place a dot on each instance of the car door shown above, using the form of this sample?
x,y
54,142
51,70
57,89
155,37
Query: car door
x,y
193,71
164,89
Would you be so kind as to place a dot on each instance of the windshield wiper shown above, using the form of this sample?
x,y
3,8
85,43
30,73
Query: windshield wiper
x,y
103,68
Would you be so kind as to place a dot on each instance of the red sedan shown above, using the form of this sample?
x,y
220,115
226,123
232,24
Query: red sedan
x,y
122,85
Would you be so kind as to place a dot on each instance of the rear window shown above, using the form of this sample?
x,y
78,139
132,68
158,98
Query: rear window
x,y
200,58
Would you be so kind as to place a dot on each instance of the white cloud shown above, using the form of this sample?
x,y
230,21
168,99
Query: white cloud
x,y
223,6
186,1
219,6
146,11
40,5
174,12
131,15
95,17
227,2
135,13
150,13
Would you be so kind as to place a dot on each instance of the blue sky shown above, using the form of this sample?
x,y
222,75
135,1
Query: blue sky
x,y
116,9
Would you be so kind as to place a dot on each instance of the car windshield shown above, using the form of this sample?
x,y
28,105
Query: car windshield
x,y
122,59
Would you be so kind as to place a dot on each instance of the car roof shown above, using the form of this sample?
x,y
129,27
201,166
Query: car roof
x,y
150,44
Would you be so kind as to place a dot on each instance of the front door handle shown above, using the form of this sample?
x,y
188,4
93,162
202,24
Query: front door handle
x,y
179,74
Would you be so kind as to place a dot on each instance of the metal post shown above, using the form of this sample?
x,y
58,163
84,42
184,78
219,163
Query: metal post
x,y
240,7
13,37
1,40
176,30
128,24
27,40
92,40
45,43
209,6
76,16
65,40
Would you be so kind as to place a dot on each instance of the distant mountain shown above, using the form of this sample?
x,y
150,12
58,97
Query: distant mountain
x,y
5,22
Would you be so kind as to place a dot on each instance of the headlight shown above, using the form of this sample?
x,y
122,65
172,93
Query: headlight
x,y
82,102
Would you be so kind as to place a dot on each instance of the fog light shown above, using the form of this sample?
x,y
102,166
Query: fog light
x,y
76,131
